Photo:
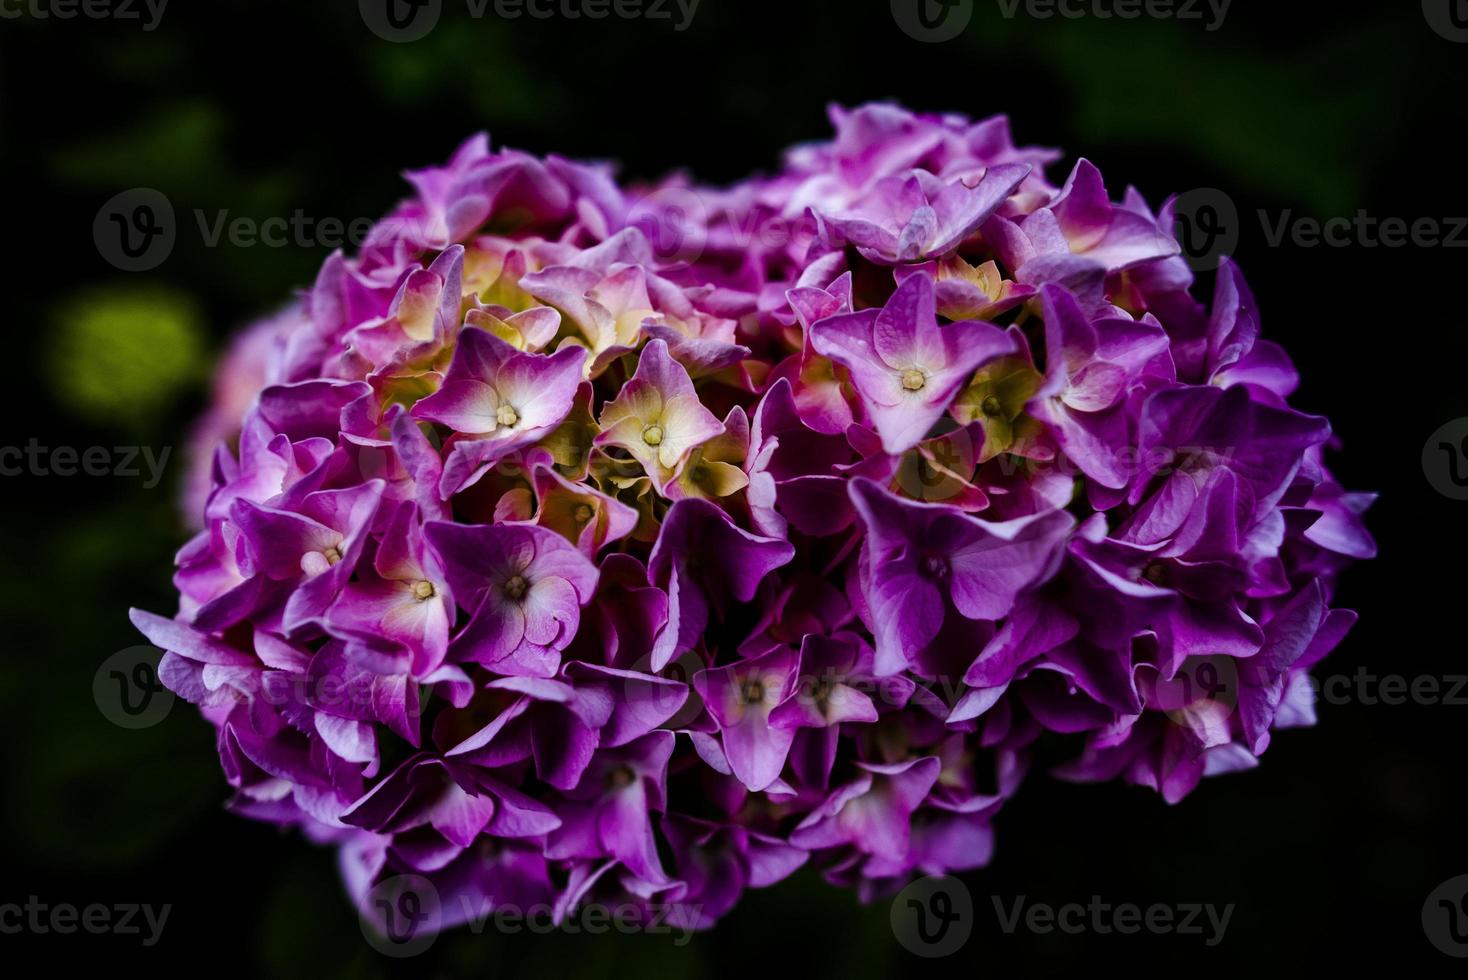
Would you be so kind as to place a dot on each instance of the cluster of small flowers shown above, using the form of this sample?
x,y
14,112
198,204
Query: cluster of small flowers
x,y
576,543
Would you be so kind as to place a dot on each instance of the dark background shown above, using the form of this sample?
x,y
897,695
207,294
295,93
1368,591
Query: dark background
x,y
1328,851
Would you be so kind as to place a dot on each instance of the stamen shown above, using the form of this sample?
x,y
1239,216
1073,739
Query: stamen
x,y
516,587
913,379
423,591
653,435
507,416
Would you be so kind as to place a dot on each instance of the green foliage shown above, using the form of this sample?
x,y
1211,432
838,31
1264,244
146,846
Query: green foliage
x,y
123,354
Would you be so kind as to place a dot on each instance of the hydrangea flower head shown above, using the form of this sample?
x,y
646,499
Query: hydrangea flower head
x,y
554,566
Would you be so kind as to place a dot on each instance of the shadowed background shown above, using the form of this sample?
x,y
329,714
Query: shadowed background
x,y
261,109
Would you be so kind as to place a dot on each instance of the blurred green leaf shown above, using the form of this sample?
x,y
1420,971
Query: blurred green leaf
x,y
122,354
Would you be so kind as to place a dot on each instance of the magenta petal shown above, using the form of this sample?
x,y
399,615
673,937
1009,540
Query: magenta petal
x,y
492,635
551,606
741,698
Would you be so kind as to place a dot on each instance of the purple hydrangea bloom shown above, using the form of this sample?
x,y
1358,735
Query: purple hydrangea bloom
x,y
906,367
523,588
498,400
556,566
915,217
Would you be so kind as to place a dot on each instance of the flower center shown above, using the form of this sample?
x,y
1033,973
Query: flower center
x,y
621,777
936,566
583,514
753,692
516,587
332,556
1156,573
913,379
423,591
992,406
507,416
653,435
